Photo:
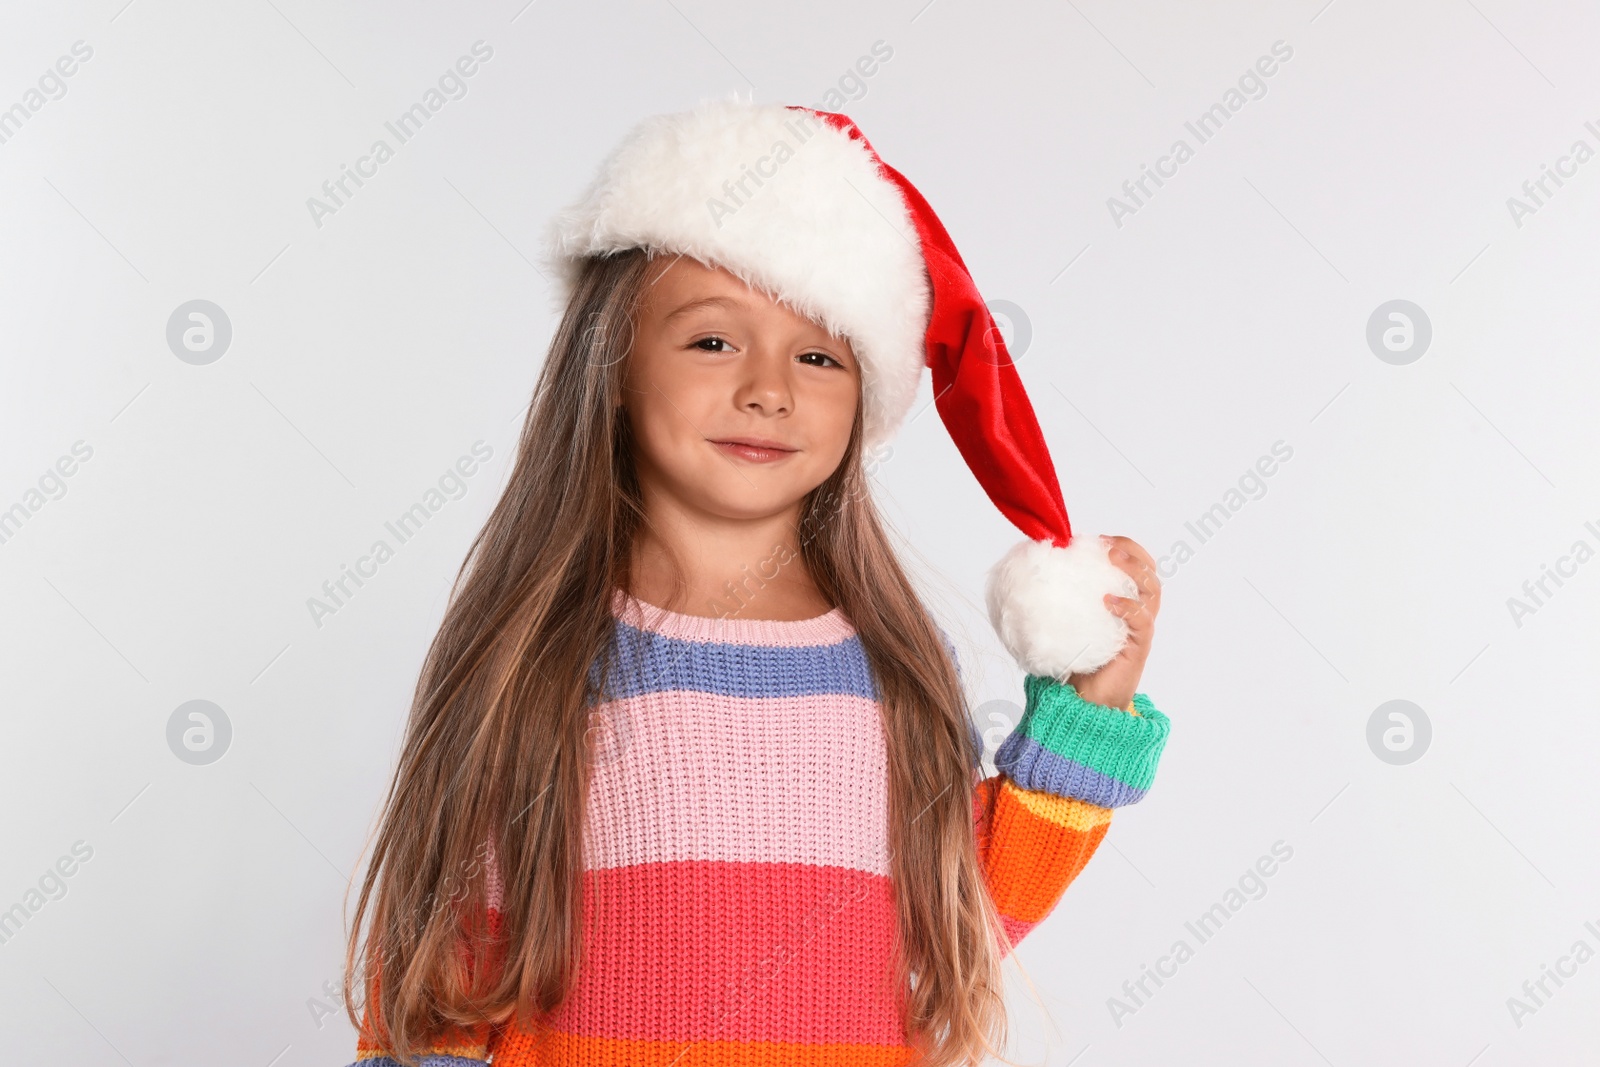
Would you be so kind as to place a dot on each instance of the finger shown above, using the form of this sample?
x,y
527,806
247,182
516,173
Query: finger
x,y
1124,562
1139,641
1132,547
1132,610
1145,573
1147,581
1128,556
1149,584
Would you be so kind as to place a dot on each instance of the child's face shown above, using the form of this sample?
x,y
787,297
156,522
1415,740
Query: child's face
x,y
714,363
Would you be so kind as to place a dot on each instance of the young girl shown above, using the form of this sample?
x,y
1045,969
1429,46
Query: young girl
x,y
689,777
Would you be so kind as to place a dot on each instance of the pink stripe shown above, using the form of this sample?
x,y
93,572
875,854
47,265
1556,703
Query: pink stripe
x,y
700,776
1016,929
734,628
747,952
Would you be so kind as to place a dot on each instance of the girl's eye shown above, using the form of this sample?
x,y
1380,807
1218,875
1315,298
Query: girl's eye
x,y
809,357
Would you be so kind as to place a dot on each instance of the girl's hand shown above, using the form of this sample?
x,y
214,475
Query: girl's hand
x,y
1115,683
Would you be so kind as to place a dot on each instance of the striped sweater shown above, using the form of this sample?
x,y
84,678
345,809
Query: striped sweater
x,y
737,905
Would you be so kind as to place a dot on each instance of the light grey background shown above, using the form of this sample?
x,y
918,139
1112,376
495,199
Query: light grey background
x,y
1168,354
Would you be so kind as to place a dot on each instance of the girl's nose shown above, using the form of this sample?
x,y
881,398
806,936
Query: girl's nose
x,y
766,387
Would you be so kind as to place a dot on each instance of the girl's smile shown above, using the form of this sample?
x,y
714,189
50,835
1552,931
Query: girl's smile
x,y
755,449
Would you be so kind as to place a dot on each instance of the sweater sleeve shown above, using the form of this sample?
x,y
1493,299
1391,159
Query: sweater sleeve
x,y
472,1047
1060,774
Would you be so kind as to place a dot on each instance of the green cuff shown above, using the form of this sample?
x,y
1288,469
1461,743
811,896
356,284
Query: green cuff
x,y
1070,746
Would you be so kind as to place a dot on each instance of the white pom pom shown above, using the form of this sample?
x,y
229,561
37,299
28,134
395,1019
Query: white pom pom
x,y
1046,604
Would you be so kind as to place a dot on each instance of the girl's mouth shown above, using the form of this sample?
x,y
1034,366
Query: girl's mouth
x,y
755,449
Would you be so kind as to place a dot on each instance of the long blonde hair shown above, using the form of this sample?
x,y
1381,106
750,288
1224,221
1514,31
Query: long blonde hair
x,y
499,740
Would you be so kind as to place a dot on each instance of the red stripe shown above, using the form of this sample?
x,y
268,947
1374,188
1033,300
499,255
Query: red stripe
x,y
701,949
521,1049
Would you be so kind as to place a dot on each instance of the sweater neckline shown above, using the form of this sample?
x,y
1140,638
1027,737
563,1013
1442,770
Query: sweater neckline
x,y
828,628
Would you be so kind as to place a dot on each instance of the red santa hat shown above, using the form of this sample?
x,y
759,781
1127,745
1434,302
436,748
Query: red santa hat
x,y
795,202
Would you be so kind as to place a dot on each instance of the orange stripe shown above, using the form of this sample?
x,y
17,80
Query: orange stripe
x,y
1036,845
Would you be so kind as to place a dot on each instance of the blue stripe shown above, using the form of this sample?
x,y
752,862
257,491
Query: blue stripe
x,y
650,662
1033,767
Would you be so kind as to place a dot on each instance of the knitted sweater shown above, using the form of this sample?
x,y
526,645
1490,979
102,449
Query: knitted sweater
x,y
737,906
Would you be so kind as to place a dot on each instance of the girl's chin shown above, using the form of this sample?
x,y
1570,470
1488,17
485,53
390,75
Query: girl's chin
x,y
742,502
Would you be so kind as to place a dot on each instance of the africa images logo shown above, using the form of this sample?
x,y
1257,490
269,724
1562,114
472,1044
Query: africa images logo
x,y
451,85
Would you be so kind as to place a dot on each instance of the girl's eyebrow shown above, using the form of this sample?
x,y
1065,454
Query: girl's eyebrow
x,y
696,305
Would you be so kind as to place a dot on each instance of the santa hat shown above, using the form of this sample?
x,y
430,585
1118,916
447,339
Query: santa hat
x,y
795,202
